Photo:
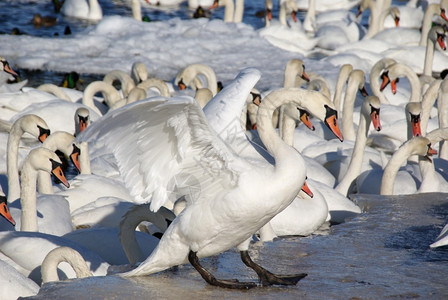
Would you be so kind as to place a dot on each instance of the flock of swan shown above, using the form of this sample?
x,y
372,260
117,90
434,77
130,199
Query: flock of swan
x,y
169,172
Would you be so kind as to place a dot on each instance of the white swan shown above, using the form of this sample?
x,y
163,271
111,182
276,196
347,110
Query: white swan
x,y
110,94
125,80
233,12
4,211
33,125
190,76
82,9
29,259
6,72
287,36
54,216
15,284
417,145
175,116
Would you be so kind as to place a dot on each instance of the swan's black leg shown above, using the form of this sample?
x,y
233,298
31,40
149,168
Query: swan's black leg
x,y
266,277
230,284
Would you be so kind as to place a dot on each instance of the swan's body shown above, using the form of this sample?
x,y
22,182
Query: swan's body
x,y
186,233
82,9
442,238
15,284
29,258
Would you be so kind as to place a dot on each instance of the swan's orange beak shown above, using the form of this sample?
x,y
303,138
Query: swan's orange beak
x,y
359,11
305,118
254,127
397,21
43,134
385,82
294,16
331,120
214,5
393,86
9,70
441,41
415,121
306,189
58,173
256,101
4,211
443,14
430,153
269,14
305,76
182,86
375,116
74,157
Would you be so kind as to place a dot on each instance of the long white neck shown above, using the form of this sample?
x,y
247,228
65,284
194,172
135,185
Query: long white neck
x,y
229,10
130,221
428,100
431,10
375,75
354,168
401,69
28,198
355,80
136,10
310,18
239,11
84,158
63,254
344,72
54,90
12,163
95,12
429,57
375,12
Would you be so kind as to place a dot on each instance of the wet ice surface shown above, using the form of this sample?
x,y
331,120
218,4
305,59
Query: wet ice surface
x,y
383,253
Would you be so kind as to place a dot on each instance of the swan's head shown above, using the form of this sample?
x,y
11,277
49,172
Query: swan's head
x,y
34,125
4,211
46,160
444,9
305,118
6,68
437,34
413,111
306,189
82,119
422,146
371,106
331,120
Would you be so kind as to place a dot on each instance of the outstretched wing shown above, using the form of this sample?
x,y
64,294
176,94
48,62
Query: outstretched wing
x,y
163,144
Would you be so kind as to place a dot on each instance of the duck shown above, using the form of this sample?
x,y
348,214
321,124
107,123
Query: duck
x,y
241,235
39,20
82,9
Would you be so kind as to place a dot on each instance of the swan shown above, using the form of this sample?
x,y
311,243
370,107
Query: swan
x,y
38,128
126,81
139,72
432,9
110,94
415,146
15,284
423,60
7,74
233,12
183,110
82,9
54,217
82,119
326,5
190,76
29,259
286,36
155,83
442,109
4,211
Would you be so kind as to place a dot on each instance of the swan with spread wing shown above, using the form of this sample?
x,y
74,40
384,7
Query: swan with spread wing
x,y
165,149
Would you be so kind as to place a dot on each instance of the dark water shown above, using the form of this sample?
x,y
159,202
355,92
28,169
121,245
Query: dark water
x,y
381,254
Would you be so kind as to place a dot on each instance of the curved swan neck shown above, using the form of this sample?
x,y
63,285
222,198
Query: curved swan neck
x,y
375,75
126,81
155,83
417,145
130,221
55,90
63,254
429,98
354,168
431,10
356,79
398,70
442,108
344,72
111,95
